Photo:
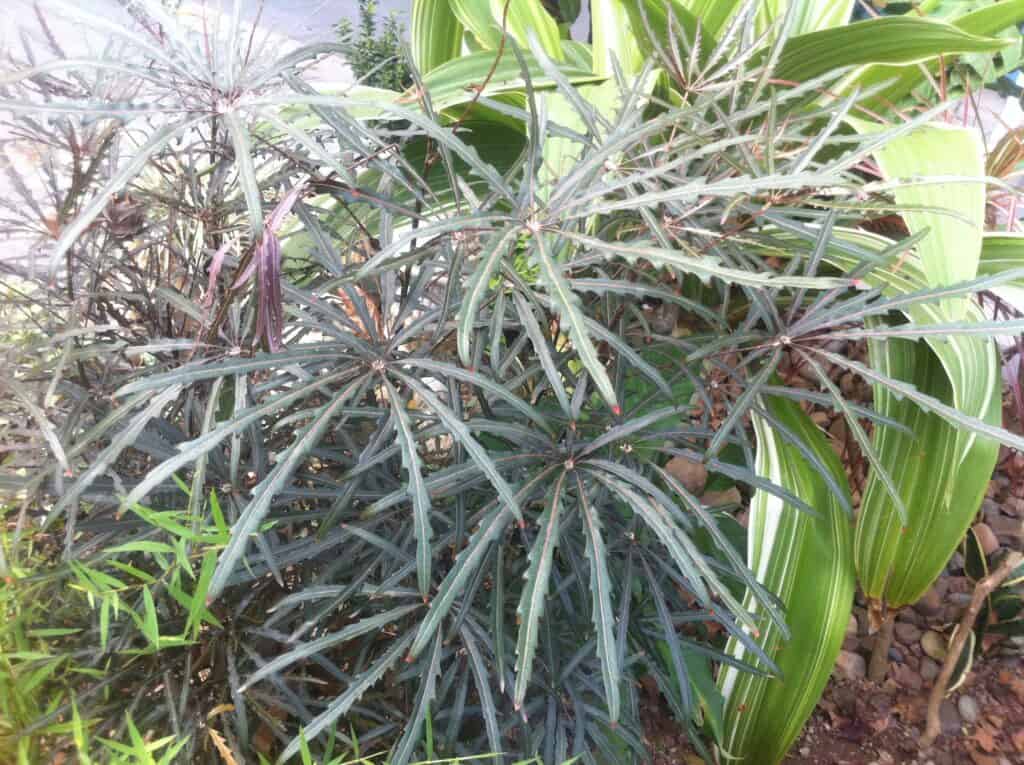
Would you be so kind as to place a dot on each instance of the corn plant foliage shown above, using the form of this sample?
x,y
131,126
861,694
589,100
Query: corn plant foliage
x,y
391,466
807,561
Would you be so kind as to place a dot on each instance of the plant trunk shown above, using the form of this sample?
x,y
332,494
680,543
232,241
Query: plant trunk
x,y
880,651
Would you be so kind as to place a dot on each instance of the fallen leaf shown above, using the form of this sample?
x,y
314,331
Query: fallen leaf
x,y
1014,682
983,759
985,737
1017,737
225,751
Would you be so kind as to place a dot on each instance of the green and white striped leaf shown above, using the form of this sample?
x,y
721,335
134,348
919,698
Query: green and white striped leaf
x,y
483,18
456,82
613,38
807,15
435,35
924,162
903,79
889,40
807,562
942,474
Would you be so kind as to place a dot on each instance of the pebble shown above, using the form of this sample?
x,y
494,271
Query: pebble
x,y
693,475
934,645
1014,506
906,677
956,563
1007,529
719,498
895,654
906,633
930,603
968,708
950,718
851,626
986,538
851,665
929,669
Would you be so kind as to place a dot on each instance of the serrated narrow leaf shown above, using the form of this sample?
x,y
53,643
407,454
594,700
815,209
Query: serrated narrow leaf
x,y
928,402
491,255
417,490
566,303
460,432
879,467
601,602
543,350
535,590
365,626
340,705
102,462
483,689
263,494
96,205
705,267
246,171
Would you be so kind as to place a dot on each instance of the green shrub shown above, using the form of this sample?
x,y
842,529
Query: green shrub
x,y
367,416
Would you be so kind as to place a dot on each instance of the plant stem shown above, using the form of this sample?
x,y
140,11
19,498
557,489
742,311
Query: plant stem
x,y
981,591
880,650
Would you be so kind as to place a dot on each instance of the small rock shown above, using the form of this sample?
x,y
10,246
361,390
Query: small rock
x,y
906,677
895,654
990,509
1007,529
1014,506
719,498
930,603
956,563
851,626
906,633
851,665
952,613
821,419
986,538
929,669
950,718
847,384
968,708
934,645
693,475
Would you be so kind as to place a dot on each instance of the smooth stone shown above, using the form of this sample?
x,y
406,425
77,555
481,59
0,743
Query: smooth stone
x,y
950,718
934,645
851,665
968,708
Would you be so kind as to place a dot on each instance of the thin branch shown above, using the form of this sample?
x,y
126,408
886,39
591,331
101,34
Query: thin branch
x,y
982,590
